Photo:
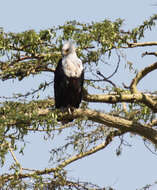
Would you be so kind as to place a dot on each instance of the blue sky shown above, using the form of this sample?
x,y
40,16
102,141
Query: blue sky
x,y
137,166
37,14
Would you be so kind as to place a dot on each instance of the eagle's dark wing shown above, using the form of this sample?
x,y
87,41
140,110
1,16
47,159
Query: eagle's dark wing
x,y
59,85
68,90
76,88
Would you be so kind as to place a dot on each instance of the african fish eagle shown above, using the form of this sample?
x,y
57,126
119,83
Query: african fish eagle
x,y
68,78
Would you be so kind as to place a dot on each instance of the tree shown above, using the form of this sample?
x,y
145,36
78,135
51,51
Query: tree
x,y
131,110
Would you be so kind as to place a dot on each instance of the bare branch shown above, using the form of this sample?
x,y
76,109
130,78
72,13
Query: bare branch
x,y
14,157
105,79
116,68
149,148
149,53
142,44
140,75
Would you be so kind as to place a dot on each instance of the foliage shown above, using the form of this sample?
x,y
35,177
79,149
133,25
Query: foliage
x,y
32,53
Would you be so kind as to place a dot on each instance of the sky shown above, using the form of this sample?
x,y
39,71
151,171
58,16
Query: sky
x,y
38,14
136,166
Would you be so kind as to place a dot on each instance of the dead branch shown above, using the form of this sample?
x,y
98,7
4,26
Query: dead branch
x,y
149,53
141,44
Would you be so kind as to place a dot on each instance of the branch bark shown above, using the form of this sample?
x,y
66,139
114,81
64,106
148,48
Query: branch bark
x,y
142,44
139,97
140,75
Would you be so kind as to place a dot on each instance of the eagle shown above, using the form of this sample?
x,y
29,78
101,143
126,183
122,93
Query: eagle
x,y
68,79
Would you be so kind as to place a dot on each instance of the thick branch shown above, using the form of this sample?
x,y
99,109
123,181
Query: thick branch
x,y
148,100
114,122
96,116
140,75
112,98
118,123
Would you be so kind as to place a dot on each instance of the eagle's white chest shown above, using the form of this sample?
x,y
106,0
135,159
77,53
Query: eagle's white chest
x,y
72,66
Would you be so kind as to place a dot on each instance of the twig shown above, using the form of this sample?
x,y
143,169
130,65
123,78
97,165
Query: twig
x,y
41,86
149,53
30,170
105,79
149,148
14,157
53,129
125,86
116,67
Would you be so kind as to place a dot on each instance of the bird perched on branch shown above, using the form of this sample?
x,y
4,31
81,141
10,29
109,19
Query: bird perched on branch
x,y
68,79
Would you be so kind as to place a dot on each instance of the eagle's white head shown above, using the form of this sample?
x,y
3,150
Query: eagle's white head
x,y
72,65
68,48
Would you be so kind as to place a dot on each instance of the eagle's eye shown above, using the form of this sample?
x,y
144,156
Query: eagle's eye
x,y
67,50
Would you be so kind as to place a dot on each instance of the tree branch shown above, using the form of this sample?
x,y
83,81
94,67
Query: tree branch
x,y
118,123
153,123
148,100
95,149
109,138
149,53
114,122
142,44
14,157
140,75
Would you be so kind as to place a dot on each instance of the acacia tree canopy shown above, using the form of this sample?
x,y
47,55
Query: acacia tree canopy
x,y
32,53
